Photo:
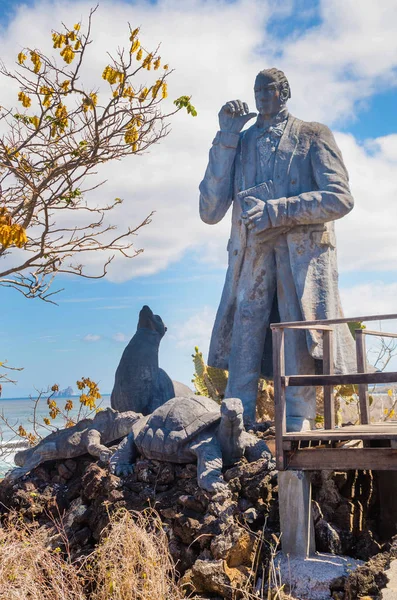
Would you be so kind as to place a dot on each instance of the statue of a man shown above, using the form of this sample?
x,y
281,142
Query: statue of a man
x,y
287,183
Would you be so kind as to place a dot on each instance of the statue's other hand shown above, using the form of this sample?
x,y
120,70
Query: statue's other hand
x,y
255,215
234,115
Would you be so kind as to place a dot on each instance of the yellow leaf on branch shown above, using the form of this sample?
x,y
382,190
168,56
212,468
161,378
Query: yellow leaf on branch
x,y
21,58
68,54
35,58
25,99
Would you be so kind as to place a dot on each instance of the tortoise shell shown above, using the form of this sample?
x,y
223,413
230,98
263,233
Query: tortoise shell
x,y
171,426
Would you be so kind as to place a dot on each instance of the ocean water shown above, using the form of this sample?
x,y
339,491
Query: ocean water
x,y
20,411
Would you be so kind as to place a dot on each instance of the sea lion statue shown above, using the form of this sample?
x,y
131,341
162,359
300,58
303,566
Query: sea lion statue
x,y
140,384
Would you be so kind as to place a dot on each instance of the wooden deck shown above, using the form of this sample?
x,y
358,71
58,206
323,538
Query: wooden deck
x,y
342,459
325,448
321,448
361,447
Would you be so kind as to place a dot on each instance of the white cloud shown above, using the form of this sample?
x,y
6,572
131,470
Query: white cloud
x,y
216,48
377,298
367,236
195,331
91,337
344,60
120,337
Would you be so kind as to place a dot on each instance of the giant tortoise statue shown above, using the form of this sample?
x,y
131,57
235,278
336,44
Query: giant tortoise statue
x,y
190,429
88,435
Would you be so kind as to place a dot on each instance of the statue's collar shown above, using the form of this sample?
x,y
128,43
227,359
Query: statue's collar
x,y
280,117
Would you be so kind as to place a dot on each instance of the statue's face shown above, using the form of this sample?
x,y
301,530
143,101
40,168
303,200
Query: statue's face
x,y
148,320
267,95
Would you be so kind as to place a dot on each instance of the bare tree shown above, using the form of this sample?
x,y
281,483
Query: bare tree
x,y
382,354
5,375
62,133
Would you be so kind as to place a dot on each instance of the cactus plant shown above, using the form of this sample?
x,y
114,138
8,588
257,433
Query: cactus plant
x,y
208,381
212,382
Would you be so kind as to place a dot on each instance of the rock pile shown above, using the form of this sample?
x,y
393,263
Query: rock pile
x,y
219,543
369,580
346,509
213,540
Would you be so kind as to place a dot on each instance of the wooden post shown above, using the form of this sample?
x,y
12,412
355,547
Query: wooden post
x,y
279,394
296,521
328,369
361,368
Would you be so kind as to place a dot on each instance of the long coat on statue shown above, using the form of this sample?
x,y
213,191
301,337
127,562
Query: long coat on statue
x,y
311,190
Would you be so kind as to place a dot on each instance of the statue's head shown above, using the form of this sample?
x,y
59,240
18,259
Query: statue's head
x,y
21,457
271,91
233,425
148,320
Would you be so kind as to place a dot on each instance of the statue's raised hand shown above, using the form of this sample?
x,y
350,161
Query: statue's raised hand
x,y
234,115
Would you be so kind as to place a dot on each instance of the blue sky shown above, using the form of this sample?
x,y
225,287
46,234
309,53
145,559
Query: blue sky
x,y
341,59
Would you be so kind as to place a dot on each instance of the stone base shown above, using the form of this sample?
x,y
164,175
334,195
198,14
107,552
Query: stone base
x,y
310,578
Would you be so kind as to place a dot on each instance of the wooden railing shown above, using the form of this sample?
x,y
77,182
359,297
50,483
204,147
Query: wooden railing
x,y
327,380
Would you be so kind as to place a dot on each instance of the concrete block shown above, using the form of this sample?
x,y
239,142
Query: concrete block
x,y
296,523
311,577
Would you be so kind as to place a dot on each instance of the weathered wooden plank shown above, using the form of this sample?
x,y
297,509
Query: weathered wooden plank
x,y
378,333
279,395
335,321
302,325
328,369
343,459
361,368
354,378
354,433
369,427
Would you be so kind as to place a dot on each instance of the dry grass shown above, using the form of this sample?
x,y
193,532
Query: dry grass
x,y
132,561
264,582
29,570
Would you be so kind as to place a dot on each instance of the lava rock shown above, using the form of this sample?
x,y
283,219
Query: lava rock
x,y
93,482
327,538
